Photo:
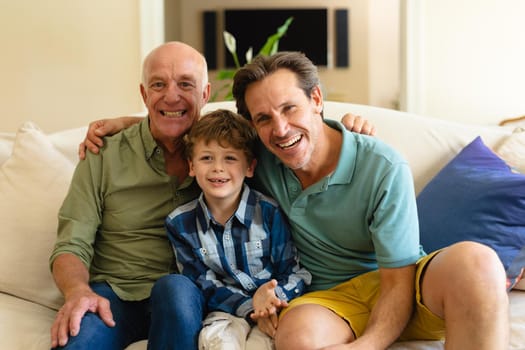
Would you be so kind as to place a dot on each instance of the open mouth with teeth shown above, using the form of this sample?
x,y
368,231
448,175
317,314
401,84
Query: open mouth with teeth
x,y
290,143
220,181
169,114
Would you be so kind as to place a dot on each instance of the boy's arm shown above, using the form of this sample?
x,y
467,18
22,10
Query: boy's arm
x,y
292,279
220,295
271,297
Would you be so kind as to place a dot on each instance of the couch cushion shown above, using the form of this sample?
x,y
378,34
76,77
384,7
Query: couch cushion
x,y
67,141
476,197
6,145
24,325
33,183
512,150
428,144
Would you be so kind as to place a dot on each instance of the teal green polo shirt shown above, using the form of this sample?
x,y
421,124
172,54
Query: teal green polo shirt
x,y
113,215
361,217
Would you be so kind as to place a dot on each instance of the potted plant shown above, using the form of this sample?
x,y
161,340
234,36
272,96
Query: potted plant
x,y
270,47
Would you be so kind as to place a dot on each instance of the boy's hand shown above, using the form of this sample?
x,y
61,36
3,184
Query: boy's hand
x,y
265,302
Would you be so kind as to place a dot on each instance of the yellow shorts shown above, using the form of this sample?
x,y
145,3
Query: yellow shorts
x,y
353,300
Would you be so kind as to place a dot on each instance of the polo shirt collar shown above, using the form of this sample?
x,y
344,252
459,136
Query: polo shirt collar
x,y
346,165
344,171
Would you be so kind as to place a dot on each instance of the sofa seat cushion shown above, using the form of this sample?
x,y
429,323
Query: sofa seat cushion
x,y
476,197
24,324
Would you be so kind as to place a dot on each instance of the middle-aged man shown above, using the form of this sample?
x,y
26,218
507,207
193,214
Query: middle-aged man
x,y
351,205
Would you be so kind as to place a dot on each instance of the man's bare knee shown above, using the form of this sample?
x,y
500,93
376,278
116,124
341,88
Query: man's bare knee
x,y
311,326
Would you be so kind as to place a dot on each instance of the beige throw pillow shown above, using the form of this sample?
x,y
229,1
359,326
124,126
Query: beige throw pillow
x,y
33,183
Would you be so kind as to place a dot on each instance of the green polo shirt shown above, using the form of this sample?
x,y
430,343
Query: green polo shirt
x,y
360,217
113,215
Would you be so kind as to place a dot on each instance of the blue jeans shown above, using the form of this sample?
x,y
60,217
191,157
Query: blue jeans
x,y
170,319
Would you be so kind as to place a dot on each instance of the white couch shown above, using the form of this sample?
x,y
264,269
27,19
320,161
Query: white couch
x,y
36,169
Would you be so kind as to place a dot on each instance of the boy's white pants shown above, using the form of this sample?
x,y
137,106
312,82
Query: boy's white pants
x,y
223,331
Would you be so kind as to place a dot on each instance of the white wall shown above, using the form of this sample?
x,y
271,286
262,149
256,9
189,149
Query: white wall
x,y
67,62
351,84
465,59
384,53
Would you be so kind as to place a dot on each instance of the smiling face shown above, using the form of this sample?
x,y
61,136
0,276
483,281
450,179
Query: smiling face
x,y
174,89
287,121
220,170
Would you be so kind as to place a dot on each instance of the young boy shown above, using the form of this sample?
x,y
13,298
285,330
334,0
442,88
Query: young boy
x,y
232,241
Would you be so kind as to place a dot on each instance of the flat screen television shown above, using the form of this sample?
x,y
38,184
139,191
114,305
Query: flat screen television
x,y
307,33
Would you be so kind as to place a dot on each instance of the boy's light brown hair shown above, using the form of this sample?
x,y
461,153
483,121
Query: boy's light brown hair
x,y
227,128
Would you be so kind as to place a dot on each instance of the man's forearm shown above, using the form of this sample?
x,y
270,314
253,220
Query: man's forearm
x,y
129,121
393,309
70,274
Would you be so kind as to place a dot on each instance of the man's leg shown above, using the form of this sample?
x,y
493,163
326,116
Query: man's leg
x,y
311,326
177,310
465,285
131,324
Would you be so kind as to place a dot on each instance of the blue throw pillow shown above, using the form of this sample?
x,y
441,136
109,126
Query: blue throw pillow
x,y
476,197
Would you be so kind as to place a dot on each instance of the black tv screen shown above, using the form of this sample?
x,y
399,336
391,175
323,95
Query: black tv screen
x,y
307,33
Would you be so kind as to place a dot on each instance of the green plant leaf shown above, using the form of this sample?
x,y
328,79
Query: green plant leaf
x,y
225,74
270,47
272,43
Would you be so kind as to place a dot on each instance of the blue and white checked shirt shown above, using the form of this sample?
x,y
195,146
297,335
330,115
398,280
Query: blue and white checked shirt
x,y
230,262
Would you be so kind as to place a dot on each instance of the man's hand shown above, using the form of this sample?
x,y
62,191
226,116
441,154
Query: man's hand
x,y
100,128
67,320
358,124
268,325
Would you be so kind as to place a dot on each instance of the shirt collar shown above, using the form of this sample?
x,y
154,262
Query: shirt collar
x,y
150,145
243,214
346,165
